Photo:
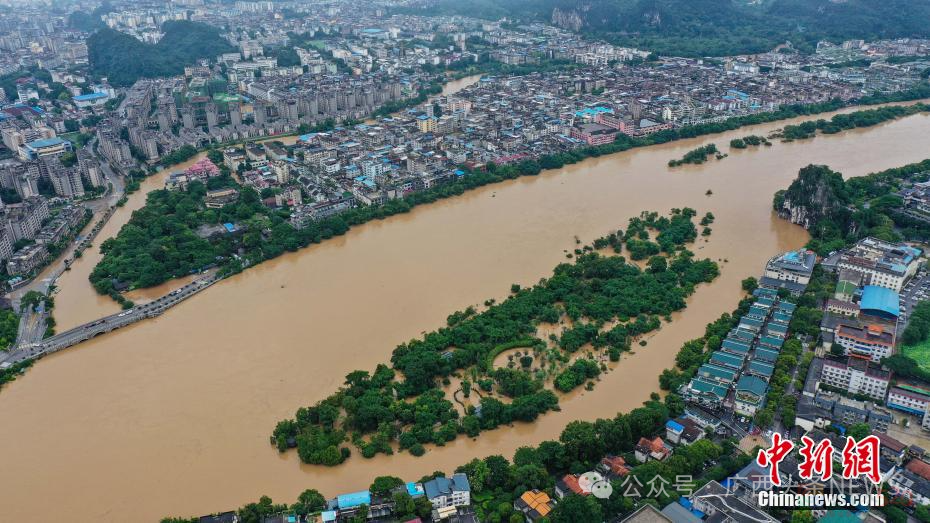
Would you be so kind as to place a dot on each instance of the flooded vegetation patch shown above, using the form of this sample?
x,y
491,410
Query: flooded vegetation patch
x,y
594,307
696,156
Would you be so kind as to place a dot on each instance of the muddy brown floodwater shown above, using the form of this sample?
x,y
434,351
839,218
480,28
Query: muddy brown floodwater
x,y
172,416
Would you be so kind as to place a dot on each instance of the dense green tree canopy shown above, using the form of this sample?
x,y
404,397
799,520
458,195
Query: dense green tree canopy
x,y
838,211
715,27
124,59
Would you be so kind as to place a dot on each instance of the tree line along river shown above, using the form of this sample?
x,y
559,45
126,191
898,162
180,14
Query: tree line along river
x,y
172,416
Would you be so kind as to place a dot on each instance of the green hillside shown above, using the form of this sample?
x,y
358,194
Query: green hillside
x,y
716,27
124,59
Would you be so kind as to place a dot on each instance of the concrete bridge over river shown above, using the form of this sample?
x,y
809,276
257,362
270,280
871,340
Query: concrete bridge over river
x,y
106,324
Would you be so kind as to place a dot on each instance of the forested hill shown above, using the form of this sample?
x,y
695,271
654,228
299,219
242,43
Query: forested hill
x,y
124,59
716,27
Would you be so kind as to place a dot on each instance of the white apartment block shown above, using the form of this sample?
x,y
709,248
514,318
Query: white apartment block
x,y
857,376
881,263
872,342
912,400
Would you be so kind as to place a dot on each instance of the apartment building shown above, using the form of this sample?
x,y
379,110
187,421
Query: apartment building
x,y
856,376
881,263
912,400
871,341
67,182
44,147
845,411
24,219
791,270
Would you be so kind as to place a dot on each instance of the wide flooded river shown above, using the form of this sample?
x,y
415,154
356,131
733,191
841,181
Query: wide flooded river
x,y
172,416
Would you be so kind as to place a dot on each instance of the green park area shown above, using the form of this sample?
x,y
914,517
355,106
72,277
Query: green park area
x,y
920,353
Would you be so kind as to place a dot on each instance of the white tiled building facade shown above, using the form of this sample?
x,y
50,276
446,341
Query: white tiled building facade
x,y
856,377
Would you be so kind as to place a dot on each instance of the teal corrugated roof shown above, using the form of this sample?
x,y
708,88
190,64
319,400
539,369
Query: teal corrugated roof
x,y
752,384
765,302
755,310
727,359
761,368
765,355
717,373
787,306
766,293
773,326
772,341
742,334
708,387
735,346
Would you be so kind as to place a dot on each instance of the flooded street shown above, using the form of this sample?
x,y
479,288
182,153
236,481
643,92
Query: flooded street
x,y
172,416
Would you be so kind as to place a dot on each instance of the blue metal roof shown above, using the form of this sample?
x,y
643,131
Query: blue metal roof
x,y
593,111
414,489
674,425
354,499
91,96
879,301
46,142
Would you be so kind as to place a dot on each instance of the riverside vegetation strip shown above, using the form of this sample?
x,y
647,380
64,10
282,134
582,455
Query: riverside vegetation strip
x,y
594,308
844,122
143,254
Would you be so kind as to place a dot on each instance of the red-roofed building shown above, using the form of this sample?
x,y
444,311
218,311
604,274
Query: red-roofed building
x,y
613,467
203,168
891,449
919,467
651,449
569,485
593,133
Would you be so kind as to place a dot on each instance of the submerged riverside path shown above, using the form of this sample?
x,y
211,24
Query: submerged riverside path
x,y
172,415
